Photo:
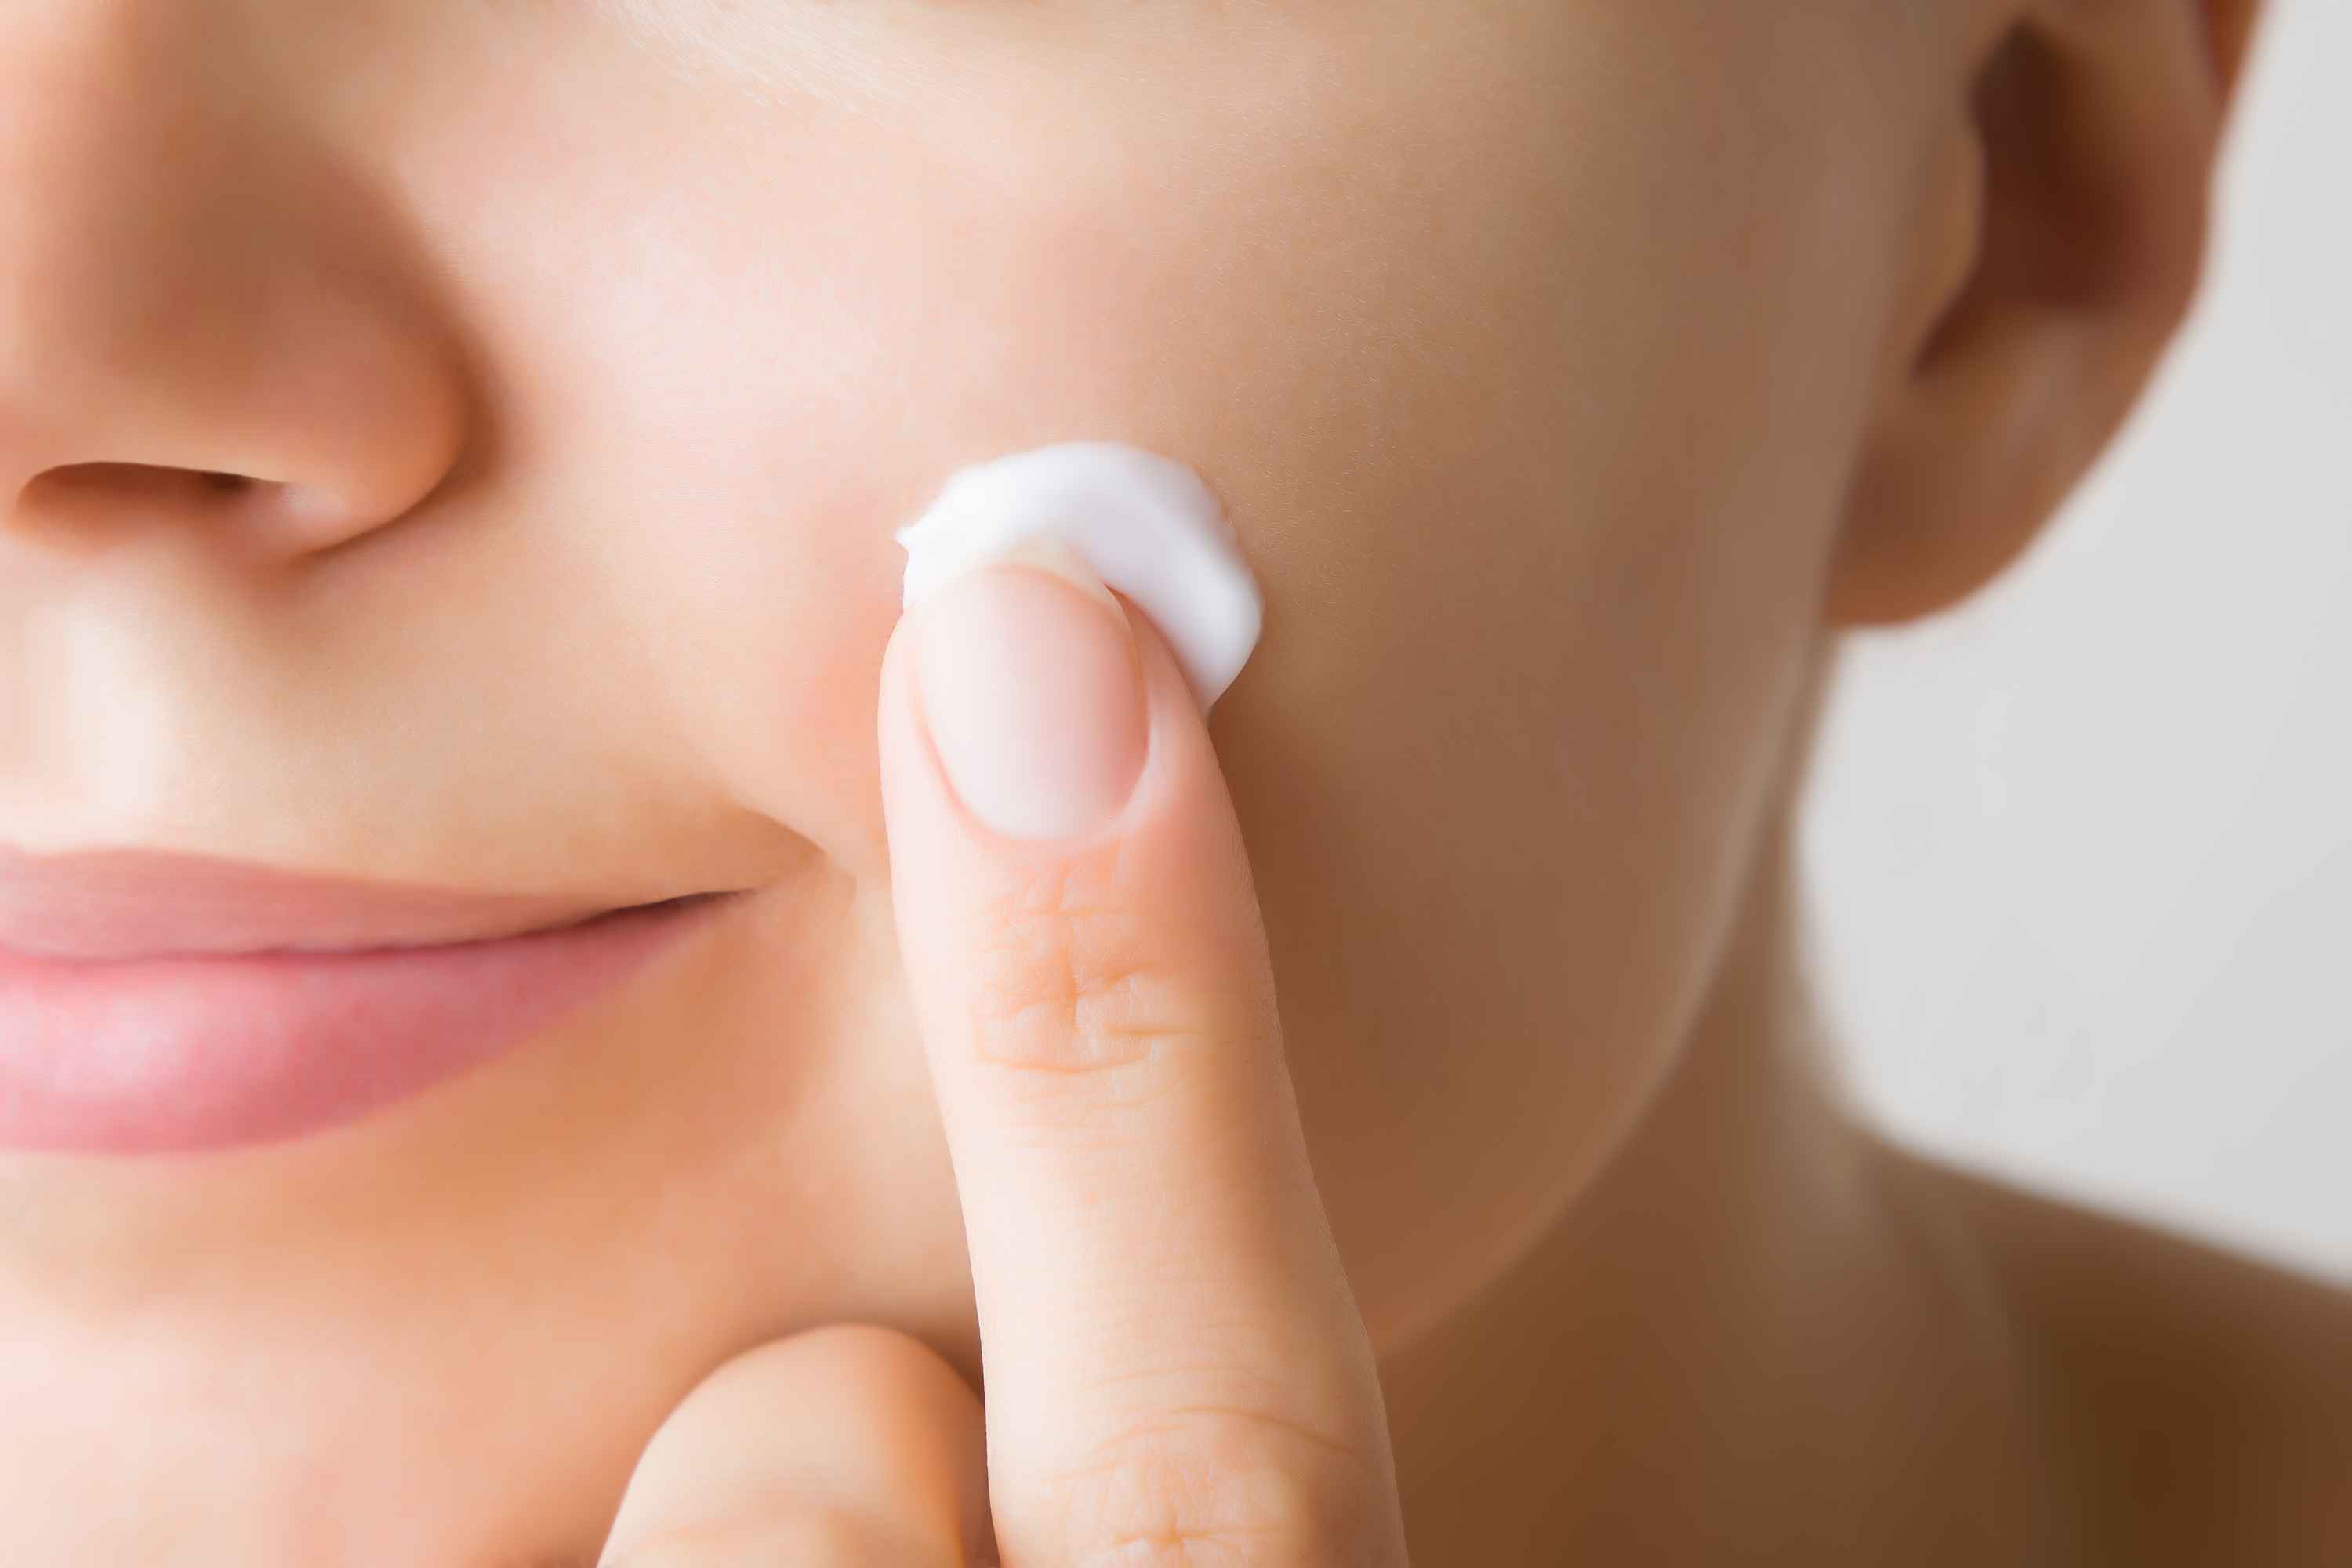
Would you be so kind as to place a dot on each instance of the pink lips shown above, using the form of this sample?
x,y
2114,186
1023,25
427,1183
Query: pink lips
x,y
154,1005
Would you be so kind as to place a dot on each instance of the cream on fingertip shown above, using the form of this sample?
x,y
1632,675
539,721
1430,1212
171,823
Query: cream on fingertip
x,y
1143,524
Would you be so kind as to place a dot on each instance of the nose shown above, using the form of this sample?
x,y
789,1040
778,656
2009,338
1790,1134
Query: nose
x,y
206,320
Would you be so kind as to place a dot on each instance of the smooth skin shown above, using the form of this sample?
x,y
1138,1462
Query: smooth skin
x,y
458,444
2076,1469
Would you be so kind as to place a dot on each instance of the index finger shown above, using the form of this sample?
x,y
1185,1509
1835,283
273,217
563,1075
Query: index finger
x,y
1175,1368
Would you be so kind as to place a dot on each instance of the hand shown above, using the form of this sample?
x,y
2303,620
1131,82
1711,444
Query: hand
x,y
1176,1371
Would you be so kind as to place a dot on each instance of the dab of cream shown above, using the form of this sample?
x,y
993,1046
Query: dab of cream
x,y
1099,513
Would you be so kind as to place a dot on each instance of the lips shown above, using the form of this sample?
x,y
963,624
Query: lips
x,y
157,1004
123,905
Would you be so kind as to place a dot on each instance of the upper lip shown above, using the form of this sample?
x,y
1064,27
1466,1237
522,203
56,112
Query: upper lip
x,y
130,904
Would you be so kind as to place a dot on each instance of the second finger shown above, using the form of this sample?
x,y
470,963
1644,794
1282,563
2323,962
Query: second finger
x,y
842,1447
1176,1372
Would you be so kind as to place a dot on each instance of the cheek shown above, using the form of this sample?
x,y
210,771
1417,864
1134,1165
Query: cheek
x,y
1541,544
725,395
1518,456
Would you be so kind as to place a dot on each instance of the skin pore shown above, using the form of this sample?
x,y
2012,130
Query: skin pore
x,y
1571,370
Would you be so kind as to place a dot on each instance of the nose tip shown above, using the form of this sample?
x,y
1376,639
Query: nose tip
x,y
203,319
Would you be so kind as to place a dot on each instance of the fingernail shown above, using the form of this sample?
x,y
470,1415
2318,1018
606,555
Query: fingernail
x,y
1029,684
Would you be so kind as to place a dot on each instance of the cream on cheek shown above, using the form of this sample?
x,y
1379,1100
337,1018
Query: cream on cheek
x,y
1141,525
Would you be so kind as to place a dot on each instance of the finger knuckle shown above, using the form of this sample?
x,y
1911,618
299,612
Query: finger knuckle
x,y
1217,1490
1072,976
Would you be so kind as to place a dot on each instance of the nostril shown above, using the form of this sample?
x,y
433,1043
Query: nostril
x,y
108,499
131,484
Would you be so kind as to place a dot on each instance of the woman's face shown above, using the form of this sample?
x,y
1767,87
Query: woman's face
x,y
1528,343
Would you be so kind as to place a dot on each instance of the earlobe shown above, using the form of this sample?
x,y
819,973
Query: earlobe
x,y
2229,32
2091,133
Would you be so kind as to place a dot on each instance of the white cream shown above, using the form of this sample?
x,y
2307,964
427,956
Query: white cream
x,y
1145,525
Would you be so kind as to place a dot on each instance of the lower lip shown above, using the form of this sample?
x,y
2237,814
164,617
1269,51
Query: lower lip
x,y
189,1055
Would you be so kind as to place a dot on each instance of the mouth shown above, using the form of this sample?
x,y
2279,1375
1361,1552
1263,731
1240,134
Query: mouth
x,y
154,1005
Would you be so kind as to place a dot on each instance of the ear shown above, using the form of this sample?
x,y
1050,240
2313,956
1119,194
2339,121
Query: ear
x,y
2087,144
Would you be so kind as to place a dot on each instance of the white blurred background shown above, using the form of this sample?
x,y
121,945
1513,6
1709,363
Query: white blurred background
x,y
2080,854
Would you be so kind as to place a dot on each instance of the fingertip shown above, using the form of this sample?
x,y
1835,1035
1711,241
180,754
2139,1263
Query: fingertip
x,y
1032,696
1017,710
